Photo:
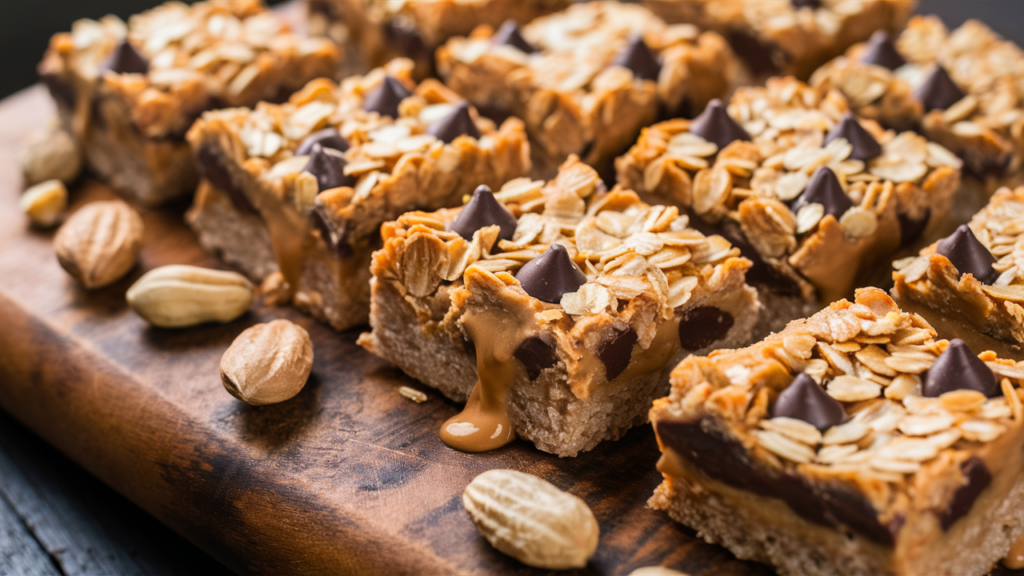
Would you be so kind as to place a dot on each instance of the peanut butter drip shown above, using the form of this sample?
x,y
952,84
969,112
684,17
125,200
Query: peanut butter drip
x,y
484,423
289,237
1015,557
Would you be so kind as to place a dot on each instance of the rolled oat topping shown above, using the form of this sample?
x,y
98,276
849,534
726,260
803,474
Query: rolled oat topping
x,y
808,207
962,87
872,358
170,62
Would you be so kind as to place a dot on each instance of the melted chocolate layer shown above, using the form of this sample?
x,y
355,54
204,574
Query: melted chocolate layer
x,y
978,478
725,460
60,90
911,230
703,326
537,354
616,352
211,168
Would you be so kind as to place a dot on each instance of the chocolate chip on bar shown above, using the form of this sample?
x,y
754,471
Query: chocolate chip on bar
x,y
938,91
483,210
590,299
510,35
968,255
125,59
638,58
715,125
457,123
865,147
386,97
327,138
881,51
852,434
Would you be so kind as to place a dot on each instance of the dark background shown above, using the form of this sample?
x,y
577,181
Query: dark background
x,y
26,25
56,519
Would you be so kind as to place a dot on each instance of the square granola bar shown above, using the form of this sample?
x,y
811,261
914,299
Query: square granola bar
x,y
376,32
788,37
129,92
585,80
815,196
554,309
299,190
853,442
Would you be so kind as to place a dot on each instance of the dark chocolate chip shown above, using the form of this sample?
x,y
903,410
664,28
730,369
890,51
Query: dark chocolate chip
x,y
209,166
968,254
805,400
813,4
62,92
938,91
384,99
331,235
639,59
328,138
483,210
959,369
715,125
977,477
702,326
881,51
762,58
616,351
911,230
724,459
125,60
865,147
509,35
824,188
762,274
455,124
328,165
536,353
401,36
550,275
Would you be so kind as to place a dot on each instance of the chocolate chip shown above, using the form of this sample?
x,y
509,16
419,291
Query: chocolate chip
x,y
125,60
824,188
330,233
968,254
210,167
881,51
509,35
761,57
60,90
483,210
865,147
401,36
977,477
639,59
959,369
537,353
938,91
616,351
715,125
384,99
455,124
328,138
805,400
910,229
724,459
550,275
702,326
328,165
812,4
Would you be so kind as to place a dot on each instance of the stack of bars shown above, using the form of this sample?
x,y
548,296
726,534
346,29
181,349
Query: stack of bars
x,y
560,214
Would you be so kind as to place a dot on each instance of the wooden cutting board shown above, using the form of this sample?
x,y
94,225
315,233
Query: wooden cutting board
x,y
348,477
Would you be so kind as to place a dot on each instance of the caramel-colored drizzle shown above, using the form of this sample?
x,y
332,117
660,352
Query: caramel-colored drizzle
x,y
484,423
1015,557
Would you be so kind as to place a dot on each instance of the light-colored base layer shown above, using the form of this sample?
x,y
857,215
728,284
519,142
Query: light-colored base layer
x,y
335,291
238,239
544,411
765,530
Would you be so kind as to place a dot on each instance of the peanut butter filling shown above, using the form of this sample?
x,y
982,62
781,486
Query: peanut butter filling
x,y
1015,557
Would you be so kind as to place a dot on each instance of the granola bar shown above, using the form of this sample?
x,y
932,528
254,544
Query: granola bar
x,y
585,80
973,277
815,196
378,32
853,442
553,309
789,37
961,89
129,92
310,181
